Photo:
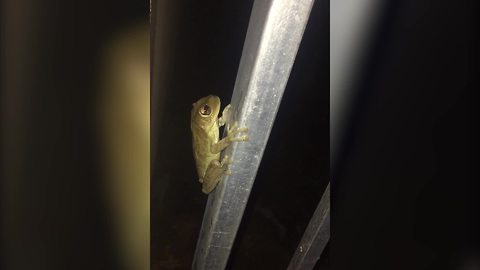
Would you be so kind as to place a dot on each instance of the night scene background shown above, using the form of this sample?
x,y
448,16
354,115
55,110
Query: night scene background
x,y
97,169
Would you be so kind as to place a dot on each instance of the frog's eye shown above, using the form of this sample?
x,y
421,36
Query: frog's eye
x,y
205,110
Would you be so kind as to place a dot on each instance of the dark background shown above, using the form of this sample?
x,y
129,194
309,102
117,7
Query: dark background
x,y
294,171
404,195
405,191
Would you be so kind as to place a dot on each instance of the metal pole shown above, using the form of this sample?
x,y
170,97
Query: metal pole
x,y
273,37
315,237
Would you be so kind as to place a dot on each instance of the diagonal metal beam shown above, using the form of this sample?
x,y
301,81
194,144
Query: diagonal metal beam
x,y
315,237
274,34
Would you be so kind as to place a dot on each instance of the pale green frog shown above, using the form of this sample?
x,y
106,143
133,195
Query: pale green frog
x,y
205,124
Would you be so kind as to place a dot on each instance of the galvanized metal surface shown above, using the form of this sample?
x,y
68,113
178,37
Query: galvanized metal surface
x,y
273,37
315,237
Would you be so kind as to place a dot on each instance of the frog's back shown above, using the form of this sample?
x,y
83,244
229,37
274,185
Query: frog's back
x,y
201,142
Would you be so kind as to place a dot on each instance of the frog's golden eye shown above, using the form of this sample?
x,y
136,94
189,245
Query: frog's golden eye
x,y
205,110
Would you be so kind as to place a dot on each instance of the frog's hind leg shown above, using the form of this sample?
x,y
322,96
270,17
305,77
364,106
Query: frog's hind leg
x,y
214,173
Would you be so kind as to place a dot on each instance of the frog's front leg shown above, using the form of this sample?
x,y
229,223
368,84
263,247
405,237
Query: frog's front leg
x,y
225,118
213,174
223,143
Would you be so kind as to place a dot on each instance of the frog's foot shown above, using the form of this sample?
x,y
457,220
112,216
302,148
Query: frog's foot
x,y
225,142
234,130
224,164
225,161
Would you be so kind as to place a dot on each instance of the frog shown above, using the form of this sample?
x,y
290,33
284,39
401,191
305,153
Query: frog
x,y
207,146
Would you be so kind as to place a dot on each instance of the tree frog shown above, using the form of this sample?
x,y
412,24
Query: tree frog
x,y
205,124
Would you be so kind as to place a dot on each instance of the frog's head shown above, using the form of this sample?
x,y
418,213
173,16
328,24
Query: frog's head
x,y
205,111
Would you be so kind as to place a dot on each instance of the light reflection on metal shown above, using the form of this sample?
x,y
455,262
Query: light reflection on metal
x,y
273,37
